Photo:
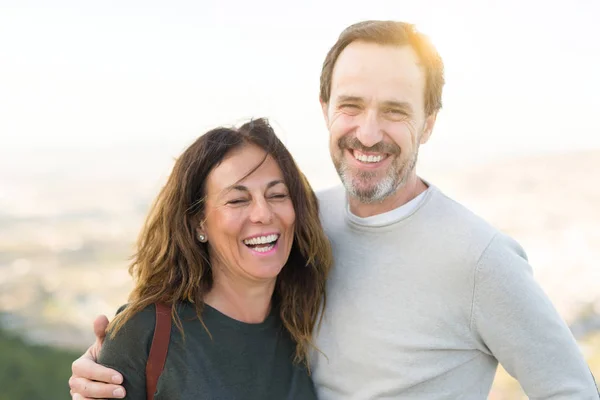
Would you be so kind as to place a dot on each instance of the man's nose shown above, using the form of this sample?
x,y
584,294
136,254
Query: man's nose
x,y
369,131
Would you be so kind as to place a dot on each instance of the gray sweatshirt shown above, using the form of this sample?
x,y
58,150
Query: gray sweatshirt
x,y
424,306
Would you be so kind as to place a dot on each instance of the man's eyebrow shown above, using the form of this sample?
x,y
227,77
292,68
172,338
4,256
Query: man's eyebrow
x,y
350,99
389,103
397,104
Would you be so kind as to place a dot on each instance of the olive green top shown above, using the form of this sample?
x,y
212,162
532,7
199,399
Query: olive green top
x,y
241,361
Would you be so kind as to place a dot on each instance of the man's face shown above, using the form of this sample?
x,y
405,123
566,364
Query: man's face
x,y
376,118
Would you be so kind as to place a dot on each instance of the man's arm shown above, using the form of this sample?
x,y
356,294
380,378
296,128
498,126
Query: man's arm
x,y
515,321
91,380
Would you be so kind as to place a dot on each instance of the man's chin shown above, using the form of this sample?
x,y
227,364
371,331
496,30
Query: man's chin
x,y
364,193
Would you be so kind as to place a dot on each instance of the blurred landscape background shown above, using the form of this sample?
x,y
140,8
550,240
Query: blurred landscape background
x,y
65,240
97,100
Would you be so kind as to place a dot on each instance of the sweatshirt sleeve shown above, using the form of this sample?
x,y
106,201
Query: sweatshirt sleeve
x,y
128,352
514,320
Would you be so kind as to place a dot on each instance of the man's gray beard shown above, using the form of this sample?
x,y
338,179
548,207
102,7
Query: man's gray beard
x,y
386,187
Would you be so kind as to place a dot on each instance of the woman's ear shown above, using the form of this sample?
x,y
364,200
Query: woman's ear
x,y
201,234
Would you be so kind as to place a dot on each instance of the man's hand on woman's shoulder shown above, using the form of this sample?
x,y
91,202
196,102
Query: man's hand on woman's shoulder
x,y
90,380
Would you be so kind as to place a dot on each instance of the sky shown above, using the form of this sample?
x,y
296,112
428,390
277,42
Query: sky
x,y
80,77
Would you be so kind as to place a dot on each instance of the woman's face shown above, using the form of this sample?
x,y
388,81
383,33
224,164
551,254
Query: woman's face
x,y
249,223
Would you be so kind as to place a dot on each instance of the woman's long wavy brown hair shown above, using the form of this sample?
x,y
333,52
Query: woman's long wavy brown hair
x,y
172,266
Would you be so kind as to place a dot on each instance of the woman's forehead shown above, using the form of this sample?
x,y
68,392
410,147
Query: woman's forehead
x,y
248,166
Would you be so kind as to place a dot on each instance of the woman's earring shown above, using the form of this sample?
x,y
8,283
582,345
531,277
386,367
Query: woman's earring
x,y
202,238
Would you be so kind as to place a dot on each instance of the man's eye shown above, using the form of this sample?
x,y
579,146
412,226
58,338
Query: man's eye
x,y
352,106
396,111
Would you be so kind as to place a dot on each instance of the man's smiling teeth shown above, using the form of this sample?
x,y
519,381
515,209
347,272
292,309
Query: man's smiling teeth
x,y
367,158
261,240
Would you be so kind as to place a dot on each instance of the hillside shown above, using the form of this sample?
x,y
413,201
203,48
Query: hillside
x,y
32,372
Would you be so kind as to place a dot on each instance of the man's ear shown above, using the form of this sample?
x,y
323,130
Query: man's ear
x,y
428,128
325,110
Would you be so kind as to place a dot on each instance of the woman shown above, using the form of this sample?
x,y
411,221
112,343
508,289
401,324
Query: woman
x,y
234,246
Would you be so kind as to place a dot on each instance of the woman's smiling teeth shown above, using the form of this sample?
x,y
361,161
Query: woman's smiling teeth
x,y
367,158
262,243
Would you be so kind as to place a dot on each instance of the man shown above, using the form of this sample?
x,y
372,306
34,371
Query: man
x,y
425,298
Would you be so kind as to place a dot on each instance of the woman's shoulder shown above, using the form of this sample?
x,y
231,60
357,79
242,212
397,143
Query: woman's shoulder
x,y
126,349
133,335
143,322
143,318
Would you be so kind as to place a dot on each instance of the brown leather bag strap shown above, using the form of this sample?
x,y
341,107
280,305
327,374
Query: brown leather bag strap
x,y
158,349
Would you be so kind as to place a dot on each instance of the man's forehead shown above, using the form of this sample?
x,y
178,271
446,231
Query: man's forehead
x,y
361,55
355,89
364,67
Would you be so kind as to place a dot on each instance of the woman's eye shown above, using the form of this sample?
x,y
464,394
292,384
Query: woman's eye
x,y
237,201
279,196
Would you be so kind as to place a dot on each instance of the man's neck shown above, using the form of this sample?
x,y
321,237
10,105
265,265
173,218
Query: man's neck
x,y
413,187
241,301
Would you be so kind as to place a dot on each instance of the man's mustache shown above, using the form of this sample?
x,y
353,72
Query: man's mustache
x,y
352,143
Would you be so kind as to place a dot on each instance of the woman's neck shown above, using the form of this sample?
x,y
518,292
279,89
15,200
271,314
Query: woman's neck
x,y
241,301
